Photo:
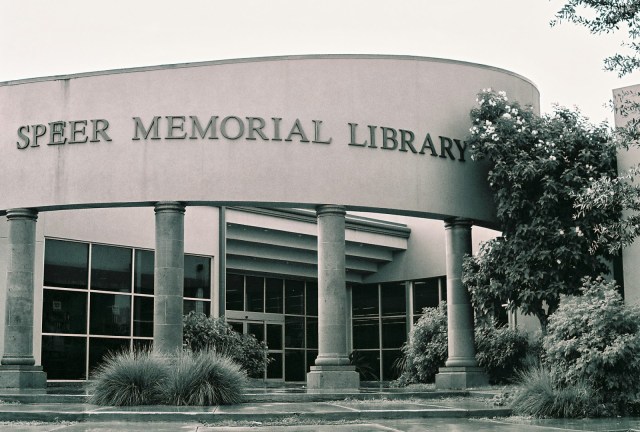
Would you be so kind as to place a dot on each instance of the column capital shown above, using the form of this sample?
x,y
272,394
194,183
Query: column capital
x,y
330,209
457,222
169,206
22,213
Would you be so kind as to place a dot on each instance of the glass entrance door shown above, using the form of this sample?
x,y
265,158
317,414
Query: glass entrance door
x,y
272,333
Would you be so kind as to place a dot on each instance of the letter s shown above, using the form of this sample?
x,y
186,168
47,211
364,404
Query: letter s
x,y
23,137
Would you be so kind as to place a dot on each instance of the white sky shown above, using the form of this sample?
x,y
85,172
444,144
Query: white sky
x,y
42,38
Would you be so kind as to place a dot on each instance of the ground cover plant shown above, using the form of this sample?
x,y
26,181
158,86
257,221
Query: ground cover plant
x,y
142,377
202,332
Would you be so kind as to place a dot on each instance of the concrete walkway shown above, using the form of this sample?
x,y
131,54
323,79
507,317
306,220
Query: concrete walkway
x,y
287,410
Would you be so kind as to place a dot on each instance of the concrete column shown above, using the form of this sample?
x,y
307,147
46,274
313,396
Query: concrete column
x,y
168,277
18,368
461,368
332,369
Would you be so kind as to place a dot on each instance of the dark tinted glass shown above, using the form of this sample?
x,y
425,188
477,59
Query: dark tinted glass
x,y
425,294
274,296
197,277
142,344
294,297
294,332
311,358
255,294
66,264
100,347
274,336
365,333
257,330
364,300
64,312
234,292
64,357
312,332
393,299
110,268
274,369
312,298
143,316
110,315
196,306
368,364
143,280
295,365
389,371
394,332
236,326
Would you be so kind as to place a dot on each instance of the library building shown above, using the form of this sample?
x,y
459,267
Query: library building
x,y
319,203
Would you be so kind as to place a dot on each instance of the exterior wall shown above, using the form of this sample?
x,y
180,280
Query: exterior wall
x,y
626,160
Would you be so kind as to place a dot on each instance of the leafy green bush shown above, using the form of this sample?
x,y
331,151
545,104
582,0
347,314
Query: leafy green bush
x,y
501,351
201,332
128,378
426,349
540,396
596,338
203,378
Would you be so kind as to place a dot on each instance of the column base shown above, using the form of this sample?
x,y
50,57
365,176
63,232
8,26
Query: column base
x,y
22,377
333,378
461,377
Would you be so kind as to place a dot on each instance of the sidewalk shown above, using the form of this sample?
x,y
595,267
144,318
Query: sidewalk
x,y
289,410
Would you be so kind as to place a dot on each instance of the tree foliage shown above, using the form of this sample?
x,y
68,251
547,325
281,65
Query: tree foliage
x,y
537,166
608,16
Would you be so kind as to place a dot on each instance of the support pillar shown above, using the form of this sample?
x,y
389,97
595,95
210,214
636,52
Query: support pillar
x,y
461,368
17,367
168,277
332,370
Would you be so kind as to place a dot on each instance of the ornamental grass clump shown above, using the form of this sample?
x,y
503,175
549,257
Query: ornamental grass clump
x,y
129,378
204,378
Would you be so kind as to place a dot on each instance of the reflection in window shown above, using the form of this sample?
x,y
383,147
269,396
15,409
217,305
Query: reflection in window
x,y
143,278
393,299
425,294
64,311
66,264
63,357
274,296
394,332
365,300
196,306
255,294
197,277
143,316
110,268
234,292
294,332
366,333
110,314
294,297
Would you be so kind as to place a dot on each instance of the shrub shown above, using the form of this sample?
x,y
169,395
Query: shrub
x,y
203,378
501,351
426,349
540,396
128,378
201,332
595,338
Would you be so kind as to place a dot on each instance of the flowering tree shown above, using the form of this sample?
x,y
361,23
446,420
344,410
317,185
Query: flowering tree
x,y
538,164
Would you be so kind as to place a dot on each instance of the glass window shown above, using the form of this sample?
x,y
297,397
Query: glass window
x,y
311,359
389,369
110,268
64,312
66,264
197,277
312,298
274,369
366,333
274,296
234,292
364,300
425,294
312,332
295,365
101,347
368,364
274,336
142,344
294,297
64,357
294,332
255,294
143,280
394,332
196,306
236,326
143,316
257,330
110,314
393,298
